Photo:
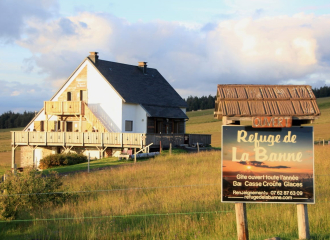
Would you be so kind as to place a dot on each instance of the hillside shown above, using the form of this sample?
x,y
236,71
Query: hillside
x,y
202,121
169,197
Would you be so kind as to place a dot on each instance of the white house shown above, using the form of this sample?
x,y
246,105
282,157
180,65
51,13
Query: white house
x,y
103,107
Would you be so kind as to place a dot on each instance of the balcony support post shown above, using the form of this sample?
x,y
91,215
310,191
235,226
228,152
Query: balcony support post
x,y
80,123
102,141
46,123
13,148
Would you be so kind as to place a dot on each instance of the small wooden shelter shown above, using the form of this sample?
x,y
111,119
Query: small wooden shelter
x,y
236,103
242,102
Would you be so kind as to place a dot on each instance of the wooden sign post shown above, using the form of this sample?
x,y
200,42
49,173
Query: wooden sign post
x,y
303,224
267,160
241,221
240,208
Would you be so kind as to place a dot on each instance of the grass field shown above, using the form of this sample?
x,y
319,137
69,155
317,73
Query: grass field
x,y
168,197
172,197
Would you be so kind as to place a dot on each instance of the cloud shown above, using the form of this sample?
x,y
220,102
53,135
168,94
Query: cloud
x,y
255,51
252,50
14,13
261,164
18,97
15,93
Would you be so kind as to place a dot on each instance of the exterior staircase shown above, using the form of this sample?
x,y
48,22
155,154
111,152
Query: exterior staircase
x,y
93,120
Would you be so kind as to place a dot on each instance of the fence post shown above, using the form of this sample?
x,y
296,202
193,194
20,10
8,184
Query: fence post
x,y
197,147
89,159
303,224
134,155
323,142
170,148
12,158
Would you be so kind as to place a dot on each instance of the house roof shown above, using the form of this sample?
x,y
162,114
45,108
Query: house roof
x,y
164,112
136,87
265,100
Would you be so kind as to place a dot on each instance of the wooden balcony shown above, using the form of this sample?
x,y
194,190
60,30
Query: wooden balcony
x,y
64,108
105,139
85,139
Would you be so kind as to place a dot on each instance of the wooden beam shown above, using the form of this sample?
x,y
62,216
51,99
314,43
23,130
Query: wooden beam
x,y
227,121
134,155
241,221
303,224
13,158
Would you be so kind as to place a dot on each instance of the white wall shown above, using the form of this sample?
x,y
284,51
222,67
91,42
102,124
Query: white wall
x,y
135,113
37,156
93,154
103,100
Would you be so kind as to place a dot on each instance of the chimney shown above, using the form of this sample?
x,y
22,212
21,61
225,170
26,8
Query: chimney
x,y
93,57
143,66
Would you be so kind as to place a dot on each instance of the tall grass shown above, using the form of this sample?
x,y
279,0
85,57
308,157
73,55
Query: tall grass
x,y
144,201
172,197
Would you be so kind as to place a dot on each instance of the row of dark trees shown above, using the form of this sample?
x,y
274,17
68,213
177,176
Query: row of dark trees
x,y
196,103
322,92
14,120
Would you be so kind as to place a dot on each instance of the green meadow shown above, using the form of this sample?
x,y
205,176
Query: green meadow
x,y
169,197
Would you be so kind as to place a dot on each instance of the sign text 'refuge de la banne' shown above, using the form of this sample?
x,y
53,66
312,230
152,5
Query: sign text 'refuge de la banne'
x,y
267,165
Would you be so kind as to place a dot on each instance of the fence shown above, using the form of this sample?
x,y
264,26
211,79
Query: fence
x,y
224,213
77,139
322,142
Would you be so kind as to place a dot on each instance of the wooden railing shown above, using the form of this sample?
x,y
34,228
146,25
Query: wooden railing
x,y
64,107
106,139
115,139
93,120
205,139
178,139
165,139
78,139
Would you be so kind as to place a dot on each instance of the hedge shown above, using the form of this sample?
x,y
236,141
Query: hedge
x,y
59,159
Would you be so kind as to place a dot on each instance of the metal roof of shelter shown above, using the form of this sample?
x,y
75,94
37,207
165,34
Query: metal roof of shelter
x,y
244,101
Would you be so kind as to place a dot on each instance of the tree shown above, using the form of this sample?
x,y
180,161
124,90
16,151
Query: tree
x,y
196,103
13,120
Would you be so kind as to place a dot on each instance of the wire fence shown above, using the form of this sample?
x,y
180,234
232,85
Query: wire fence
x,y
322,142
122,216
116,216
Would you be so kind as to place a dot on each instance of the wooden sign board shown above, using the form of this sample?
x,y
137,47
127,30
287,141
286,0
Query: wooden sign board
x,y
271,122
267,165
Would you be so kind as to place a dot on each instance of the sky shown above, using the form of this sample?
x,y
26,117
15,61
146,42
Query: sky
x,y
195,45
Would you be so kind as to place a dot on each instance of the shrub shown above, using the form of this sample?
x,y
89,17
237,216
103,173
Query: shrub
x,y
26,192
61,159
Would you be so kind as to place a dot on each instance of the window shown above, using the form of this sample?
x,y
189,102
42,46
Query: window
x,y
83,95
68,96
128,125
